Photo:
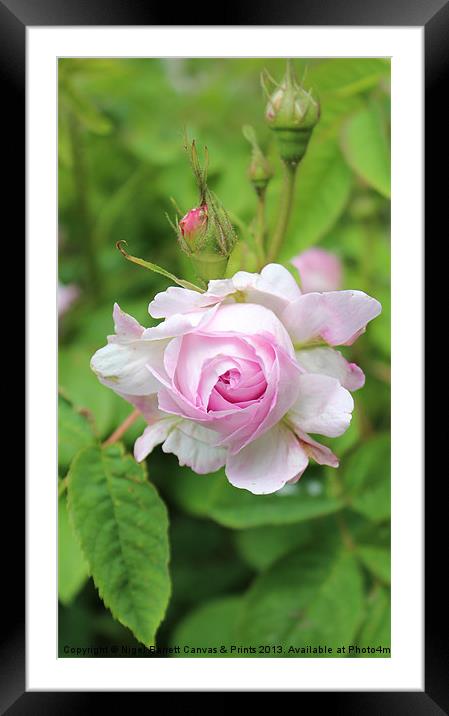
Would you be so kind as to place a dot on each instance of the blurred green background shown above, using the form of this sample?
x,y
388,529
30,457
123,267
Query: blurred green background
x,y
121,159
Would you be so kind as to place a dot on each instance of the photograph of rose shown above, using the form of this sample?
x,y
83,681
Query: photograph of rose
x,y
224,358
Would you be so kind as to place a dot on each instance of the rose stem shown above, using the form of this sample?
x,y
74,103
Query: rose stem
x,y
286,203
260,227
121,430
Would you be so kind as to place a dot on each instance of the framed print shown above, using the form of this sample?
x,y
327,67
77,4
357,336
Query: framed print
x,y
223,226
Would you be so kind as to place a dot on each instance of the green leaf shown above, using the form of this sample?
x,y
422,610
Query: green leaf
x,y
262,546
323,187
372,542
377,560
366,148
376,629
157,269
307,598
213,625
213,496
72,567
122,526
345,76
366,477
75,431
210,547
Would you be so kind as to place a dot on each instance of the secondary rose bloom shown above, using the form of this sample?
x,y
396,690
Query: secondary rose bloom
x,y
319,270
67,295
241,375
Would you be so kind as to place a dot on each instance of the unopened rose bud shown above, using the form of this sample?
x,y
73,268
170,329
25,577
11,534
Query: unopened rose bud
x,y
260,170
205,233
292,112
207,236
193,223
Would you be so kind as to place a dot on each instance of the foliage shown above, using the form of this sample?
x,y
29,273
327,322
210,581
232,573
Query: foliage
x,y
310,565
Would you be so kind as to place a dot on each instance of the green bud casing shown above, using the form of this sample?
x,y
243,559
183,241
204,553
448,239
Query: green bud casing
x,y
205,233
292,113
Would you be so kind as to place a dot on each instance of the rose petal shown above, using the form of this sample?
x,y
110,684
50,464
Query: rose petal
x,y
195,446
249,319
323,406
320,453
268,463
153,435
123,367
177,300
273,288
126,327
193,351
179,325
329,361
337,317
281,393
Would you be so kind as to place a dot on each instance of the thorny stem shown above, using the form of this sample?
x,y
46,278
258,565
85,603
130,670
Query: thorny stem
x,y
285,209
121,430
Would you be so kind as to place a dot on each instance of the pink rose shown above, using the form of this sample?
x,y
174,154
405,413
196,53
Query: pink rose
x,y
319,270
240,375
67,295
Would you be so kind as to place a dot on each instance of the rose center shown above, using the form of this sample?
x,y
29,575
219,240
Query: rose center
x,y
230,377
238,386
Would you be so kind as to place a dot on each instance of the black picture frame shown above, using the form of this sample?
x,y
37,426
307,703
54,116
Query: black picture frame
x,y
433,15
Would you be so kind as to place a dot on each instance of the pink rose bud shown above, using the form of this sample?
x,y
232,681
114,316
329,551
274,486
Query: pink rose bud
x,y
205,233
194,221
319,270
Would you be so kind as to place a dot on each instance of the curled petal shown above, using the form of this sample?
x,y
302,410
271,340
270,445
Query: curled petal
x,y
268,463
179,300
126,327
337,317
329,361
273,288
323,406
179,325
247,320
195,446
123,367
153,435
320,453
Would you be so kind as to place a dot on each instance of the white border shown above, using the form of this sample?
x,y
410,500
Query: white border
x,y
404,670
